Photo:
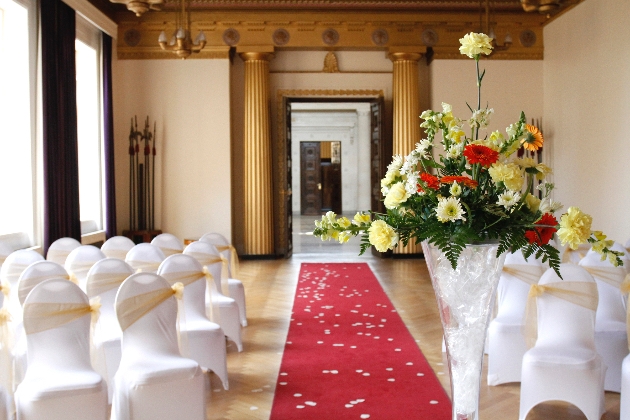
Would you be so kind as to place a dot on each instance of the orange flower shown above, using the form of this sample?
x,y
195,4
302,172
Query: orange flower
x,y
533,139
431,181
463,180
476,153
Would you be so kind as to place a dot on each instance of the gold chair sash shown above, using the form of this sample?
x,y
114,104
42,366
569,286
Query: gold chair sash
x,y
189,277
206,260
527,273
2,260
57,254
170,251
26,285
77,269
41,316
149,266
102,282
580,293
15,270
611,275
117,253
233,258
132,309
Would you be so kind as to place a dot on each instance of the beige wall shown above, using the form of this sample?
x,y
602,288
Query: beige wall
x,y
190,101
586,107
508,87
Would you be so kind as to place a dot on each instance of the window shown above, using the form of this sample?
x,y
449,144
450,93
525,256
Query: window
x,y
89,126
17,116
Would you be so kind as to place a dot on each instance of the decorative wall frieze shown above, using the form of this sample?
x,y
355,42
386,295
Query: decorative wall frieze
x,y
330,31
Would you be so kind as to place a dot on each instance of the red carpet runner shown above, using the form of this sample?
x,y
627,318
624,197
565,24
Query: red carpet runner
x,y
349,356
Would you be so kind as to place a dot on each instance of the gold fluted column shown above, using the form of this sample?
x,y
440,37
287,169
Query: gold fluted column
x,y
406,104
258,235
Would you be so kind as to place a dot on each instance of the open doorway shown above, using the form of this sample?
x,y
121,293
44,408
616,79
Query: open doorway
x,y
320,177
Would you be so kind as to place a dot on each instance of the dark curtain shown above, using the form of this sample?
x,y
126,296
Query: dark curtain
x,y
108,140
61,164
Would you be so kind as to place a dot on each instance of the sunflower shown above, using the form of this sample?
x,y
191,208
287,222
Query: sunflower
x,y
533,139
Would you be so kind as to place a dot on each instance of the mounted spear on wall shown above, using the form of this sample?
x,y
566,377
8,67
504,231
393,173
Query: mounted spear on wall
x,y
142,176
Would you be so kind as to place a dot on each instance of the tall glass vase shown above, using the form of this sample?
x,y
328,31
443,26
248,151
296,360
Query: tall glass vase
x,y
465,297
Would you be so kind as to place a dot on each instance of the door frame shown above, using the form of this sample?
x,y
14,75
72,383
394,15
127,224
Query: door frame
x,y
282,154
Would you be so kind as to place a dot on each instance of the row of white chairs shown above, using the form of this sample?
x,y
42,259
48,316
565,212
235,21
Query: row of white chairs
x,y
579,352
100,276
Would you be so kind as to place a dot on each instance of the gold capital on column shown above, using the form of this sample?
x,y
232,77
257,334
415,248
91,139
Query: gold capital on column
x,y
406,107
258,170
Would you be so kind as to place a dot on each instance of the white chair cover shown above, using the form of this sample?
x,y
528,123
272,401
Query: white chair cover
x,y
563,364
205,339
506,343
145,257
117,247
33,275
153,381
229,317
60,383
5,251
611,338
59,250
79,262
103,281
235,287
574,256
169,244
11,270
624,399
6,343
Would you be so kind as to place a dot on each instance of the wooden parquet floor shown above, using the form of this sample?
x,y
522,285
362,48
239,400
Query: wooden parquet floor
x,y
270,287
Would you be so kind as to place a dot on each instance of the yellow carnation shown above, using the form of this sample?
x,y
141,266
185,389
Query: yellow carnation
x,y
575,227
396,195
510,174
382,236
532,202
474,44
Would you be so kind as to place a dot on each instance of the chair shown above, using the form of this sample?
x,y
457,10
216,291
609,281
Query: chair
x,y
221,309
5,251
563,364
205,339
10,272
145,257
611,338
153,380
574,256
79,262
33,275
117,247
506,343
624,398
60,382
59,250
6,390
103,281
235,287
169,244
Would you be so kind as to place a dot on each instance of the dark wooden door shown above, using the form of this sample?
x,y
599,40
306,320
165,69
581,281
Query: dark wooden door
x,y
331,187
310,179
379,155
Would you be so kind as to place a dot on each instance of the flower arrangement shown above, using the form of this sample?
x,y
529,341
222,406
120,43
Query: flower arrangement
x,y
477,189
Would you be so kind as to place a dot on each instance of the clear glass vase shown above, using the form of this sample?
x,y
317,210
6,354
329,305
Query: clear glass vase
x,y
465,297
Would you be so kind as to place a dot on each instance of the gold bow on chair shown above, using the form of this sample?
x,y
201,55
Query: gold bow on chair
x,y
102,282
611,275
233,258
578,292
206,260
42,316
527,273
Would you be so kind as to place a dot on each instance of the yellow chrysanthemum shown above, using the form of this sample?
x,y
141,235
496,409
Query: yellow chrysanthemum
x,y
575,227
382,236
510,174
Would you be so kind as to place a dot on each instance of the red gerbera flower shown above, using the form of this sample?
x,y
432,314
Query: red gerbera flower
x,y
463,180
476,153
431,181
543,235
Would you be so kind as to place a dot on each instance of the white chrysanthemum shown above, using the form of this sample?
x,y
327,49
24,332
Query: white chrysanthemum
x,y
454,151
397,162
410,164
449,209
455,189
549,206
508,199
411,185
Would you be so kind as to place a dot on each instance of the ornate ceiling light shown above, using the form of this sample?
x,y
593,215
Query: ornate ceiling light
x,y
139,7
181,42
507,41
540,6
